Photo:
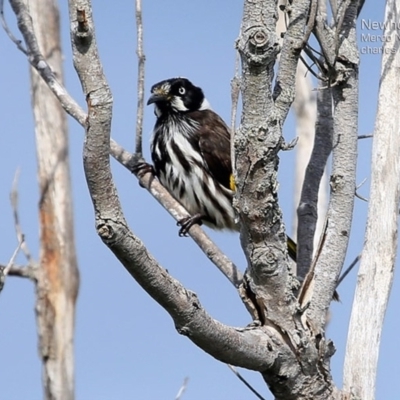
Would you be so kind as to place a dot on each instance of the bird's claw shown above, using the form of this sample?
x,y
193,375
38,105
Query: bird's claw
x,y
187,223
142,168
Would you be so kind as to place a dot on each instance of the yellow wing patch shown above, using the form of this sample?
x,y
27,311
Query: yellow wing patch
x,y
232,184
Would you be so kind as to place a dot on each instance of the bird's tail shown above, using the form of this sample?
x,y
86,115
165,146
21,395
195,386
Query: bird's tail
x,y
292,248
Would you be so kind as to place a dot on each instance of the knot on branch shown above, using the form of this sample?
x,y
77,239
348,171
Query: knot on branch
x,y
83,34
258,41
259,46
105,231
111,231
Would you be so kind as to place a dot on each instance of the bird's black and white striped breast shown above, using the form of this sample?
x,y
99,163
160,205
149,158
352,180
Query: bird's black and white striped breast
x,y
175,154
181,168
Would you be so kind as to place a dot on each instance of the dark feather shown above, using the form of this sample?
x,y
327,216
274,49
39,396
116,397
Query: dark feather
x,y
214,144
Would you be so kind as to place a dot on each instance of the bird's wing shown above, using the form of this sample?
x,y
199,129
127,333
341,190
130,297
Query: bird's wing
x,y
214,143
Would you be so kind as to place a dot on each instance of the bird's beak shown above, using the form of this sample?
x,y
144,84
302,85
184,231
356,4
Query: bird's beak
x,y
157,98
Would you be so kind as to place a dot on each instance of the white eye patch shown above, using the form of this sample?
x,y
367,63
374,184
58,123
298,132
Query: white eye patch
x,y
181,90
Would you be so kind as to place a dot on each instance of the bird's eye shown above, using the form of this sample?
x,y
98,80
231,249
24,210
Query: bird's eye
x,y
181,90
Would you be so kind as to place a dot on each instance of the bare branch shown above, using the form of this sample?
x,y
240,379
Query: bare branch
x,y
13,257
256,146
236,372
307,211
295,38
38,62
358,187
325,35
330,258
311,21
4,24
340,15
140,81
17,225
365,136
348,270
309,68
23,271
182,389
377,266
4,270
334,8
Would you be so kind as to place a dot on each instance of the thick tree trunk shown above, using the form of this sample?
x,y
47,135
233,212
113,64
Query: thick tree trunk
x,y
57,280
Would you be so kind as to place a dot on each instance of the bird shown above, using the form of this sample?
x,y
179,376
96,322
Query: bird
x,y
191,153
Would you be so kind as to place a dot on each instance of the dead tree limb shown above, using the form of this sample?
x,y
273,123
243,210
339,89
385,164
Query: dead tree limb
x,y
57,278
375,276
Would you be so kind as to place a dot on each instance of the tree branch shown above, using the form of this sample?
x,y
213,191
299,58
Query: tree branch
x,y
140,81
295,38
5,269
57,281
257,144
307,211
375,276
39,63
329,260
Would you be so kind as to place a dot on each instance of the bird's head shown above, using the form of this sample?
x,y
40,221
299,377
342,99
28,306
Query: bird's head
x,y
177,95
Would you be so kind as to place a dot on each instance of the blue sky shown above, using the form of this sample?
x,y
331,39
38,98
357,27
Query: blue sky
x,y
126,345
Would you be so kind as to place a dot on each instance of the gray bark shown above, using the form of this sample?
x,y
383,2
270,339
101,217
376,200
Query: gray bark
x,y
320,282
375,276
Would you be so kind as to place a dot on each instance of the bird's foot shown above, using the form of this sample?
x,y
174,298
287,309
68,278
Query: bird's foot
x,y
140,169
188,222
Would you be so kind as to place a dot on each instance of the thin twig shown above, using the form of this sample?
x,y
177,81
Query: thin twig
x,y
317,61
14,256
4,271
361,183
38,62
358,187
311,21
309,69
140,81
348,269
22,271
334,9
4,24
339,23
235,371
17,225
361,197
314,50
365,136
182,389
